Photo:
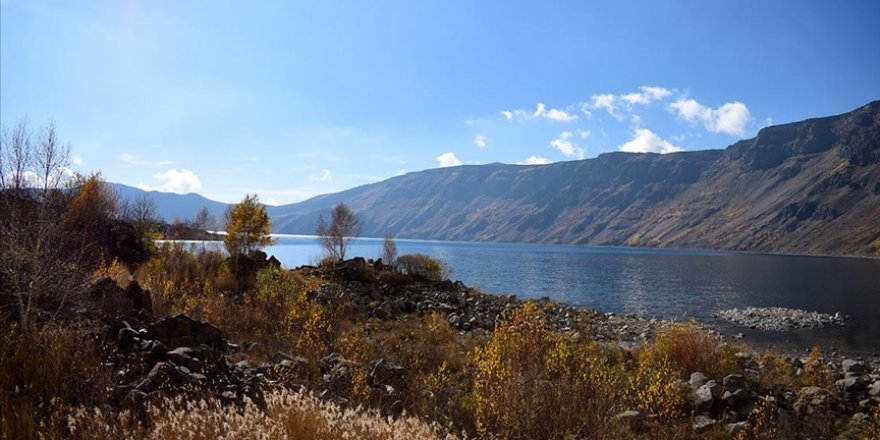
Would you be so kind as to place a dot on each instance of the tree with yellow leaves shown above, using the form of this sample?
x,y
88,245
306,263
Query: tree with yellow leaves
x,y
247,227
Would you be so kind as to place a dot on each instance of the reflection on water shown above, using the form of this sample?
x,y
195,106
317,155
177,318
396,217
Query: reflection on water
x,y
657,283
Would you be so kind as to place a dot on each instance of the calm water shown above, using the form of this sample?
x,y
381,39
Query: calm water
x,y
658,282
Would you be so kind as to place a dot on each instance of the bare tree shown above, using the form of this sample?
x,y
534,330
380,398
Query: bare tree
x,y
389,250
34,267
335,237
205,221
141,212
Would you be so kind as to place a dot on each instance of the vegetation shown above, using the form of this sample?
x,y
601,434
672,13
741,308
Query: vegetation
x,y
247,227
61,371
335,237
424,266
389,250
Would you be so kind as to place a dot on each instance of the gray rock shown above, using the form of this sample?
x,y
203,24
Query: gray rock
x,y
734,382
745,408
701,400
716,388
853,384
874,389
735,428
854,366
180,355
631,418
697,380
703,423
163,373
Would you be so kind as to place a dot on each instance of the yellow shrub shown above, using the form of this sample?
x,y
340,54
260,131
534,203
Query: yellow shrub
x,y
654,389
816,372
534,382
761,423
687,348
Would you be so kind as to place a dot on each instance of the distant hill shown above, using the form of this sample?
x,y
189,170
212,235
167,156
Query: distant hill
x,y
171,206
805,187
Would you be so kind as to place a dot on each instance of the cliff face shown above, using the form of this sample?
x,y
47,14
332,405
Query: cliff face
x,y
805,187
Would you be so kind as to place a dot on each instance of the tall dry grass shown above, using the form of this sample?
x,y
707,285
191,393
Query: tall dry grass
x,y
44,368
286,415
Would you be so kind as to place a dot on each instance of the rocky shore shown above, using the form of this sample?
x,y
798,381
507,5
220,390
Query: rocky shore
x,y
173,355
780,319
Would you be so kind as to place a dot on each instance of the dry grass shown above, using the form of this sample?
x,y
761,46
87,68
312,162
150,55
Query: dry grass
x,y
286,416
688,348
44,367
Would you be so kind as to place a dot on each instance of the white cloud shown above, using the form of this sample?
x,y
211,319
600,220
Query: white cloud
x,y
448,160
646,141
606,102
326,175
565,145
480,141
730,118
541,112
76,159
534,160
646,95
271,202
584,133
176,181
135,160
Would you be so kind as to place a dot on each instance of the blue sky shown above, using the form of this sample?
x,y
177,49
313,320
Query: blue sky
x,y
293,99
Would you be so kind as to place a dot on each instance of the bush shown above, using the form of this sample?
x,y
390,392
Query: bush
x,y
534,382
688,349
424,266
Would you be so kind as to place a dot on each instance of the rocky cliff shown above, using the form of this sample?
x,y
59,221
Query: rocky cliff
x,y
805,187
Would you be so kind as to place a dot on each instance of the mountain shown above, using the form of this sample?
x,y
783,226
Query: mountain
x,y
171,206
805,187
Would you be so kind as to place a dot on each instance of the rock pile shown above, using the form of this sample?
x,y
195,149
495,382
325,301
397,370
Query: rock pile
x,y
860,384
780,318
382,297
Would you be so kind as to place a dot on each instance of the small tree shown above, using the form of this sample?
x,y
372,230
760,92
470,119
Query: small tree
x,y
335,237
247,227
389,250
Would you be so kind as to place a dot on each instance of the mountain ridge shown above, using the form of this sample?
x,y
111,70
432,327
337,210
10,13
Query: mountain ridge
x,y
807,187
804,187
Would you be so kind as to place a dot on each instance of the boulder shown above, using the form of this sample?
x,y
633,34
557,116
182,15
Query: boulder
x,y
853,366
703,423
853,384
384,372
701,400
734,383
631,418
697,380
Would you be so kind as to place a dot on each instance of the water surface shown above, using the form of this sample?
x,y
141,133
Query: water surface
x,y
662,283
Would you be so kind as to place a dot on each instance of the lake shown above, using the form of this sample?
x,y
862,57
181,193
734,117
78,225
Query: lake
x,y
661,283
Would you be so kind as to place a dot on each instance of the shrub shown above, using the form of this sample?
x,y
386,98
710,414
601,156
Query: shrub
x,y
424,266
534,382
688,348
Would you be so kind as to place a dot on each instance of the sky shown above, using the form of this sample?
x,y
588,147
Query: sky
x,y
294,99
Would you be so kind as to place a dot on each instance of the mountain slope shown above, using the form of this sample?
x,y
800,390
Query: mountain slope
x,y
805,187
171,206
